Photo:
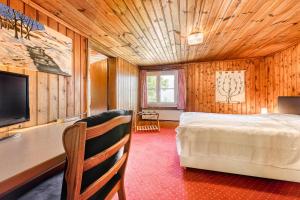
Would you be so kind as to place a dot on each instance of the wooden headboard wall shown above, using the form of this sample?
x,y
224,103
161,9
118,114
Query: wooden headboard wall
x,y
289,105
266,79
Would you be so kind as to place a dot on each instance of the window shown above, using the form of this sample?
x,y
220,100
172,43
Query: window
x,y
162,88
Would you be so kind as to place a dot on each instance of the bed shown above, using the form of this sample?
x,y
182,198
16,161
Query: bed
x,y
262,145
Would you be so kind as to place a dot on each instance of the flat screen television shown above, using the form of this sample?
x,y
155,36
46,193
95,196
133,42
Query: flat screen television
x,y
14,98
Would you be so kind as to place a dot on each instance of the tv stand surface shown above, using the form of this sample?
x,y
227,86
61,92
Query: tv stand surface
x,y
36,151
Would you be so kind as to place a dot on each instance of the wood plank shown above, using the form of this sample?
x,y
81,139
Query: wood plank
x,y
84,74
70,83
76,75
42,98
53,97
95,186
32,97
100,157
98,130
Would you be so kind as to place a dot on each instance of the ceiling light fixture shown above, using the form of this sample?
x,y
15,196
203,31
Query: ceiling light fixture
x,y
195,38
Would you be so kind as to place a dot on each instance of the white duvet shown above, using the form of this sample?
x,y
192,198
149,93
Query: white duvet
x,y
272,139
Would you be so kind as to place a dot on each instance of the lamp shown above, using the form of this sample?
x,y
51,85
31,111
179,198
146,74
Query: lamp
x,y
264,111
195,38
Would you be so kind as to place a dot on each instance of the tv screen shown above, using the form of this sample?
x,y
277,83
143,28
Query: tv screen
x,y
14,98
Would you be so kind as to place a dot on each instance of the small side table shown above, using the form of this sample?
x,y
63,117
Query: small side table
x,y
147,121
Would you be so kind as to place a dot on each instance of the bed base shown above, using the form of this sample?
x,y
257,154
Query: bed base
x,y
240,167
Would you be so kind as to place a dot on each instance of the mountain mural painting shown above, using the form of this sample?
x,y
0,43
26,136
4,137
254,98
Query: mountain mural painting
x,y
24,42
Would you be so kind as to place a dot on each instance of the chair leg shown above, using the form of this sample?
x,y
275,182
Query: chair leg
x,y
121,192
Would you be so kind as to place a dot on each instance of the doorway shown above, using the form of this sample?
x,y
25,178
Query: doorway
x,y
98,80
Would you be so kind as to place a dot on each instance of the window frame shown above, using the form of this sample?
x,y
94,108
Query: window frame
x,y
158,102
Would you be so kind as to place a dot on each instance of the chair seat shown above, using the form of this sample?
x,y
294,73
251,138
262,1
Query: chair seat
x,y
50,189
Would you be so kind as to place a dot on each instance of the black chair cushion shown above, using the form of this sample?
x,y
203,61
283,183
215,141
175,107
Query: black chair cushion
x,y
97,145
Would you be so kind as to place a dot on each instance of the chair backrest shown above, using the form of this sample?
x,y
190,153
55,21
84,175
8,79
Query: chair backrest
x,y
97,151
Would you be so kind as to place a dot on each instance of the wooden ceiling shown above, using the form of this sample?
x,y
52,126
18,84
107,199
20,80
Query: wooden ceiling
x,y
151,32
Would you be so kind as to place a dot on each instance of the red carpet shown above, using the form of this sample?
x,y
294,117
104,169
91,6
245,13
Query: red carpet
x,y
153,172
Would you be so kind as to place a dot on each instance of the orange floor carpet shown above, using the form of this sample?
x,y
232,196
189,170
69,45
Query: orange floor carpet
x,y
153,173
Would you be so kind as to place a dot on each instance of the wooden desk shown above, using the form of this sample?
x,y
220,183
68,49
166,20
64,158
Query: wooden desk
x,y
36,151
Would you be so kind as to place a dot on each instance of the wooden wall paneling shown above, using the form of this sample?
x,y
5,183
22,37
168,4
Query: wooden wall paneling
x,y
70,82
298,69
221,105
112,83
195,86
42,18
200,88
125,81
3,2
234,105
187,75
206,86
62,97
32,97
122,94
130,73
42,93
265,78
120,85
196,89
230,68
48,92
188,89
226,106
268,78
53,84
217,68
77,76
62,85
290,71
192,89
83,74
252,89
244,105
239,106
285,73
263,85
294,70
17,5
207,90
211,87
257,86
53,97
42,86
276,86
281,65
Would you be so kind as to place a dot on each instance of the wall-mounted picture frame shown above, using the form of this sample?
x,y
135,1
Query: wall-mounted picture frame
x,y
230,86
24,42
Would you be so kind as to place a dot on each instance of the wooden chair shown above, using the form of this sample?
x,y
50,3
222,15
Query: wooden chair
x,y
75,139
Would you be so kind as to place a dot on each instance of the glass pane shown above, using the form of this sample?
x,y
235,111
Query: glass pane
x,y
167,96
151,95
151,82
167,81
